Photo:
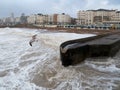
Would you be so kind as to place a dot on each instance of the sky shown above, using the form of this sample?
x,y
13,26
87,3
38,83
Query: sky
x,y
70,7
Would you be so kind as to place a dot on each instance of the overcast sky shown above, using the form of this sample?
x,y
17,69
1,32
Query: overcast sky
x,y
53,6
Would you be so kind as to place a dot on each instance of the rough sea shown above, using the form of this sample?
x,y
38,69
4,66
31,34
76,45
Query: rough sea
x,y
23,67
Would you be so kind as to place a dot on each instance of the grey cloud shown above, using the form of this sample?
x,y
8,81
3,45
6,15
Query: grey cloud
x,y
40,6
114,2
48,6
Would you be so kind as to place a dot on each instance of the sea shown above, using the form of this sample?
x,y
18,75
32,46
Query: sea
x,y
38,67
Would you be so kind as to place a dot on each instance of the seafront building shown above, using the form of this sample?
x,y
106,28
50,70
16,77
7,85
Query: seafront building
x,y
52,19
98,17
63,19
41,19
23,19
17,20
31,19
12,19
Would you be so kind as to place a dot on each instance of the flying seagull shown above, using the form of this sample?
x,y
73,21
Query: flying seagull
x,y
32,40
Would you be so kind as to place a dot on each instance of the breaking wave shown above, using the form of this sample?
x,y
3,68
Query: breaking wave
x,y
23,67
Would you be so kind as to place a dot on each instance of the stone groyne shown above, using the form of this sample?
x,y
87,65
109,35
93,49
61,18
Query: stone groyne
x,y
76,51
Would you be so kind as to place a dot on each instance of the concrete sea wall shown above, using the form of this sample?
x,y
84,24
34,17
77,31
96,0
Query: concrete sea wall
x,y
75,51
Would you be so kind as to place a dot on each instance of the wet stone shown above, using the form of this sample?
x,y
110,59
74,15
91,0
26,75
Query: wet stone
x,y
76,51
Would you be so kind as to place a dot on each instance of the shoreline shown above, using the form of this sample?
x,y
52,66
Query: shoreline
x,y
68,30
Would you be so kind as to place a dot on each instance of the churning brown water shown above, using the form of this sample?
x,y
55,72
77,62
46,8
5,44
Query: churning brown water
x,y
23,67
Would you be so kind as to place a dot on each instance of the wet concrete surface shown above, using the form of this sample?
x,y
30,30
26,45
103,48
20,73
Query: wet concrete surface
x,y
76,51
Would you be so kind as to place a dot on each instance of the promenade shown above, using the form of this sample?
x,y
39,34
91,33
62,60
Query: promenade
x,y
69,30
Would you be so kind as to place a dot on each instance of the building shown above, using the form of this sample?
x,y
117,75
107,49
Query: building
x,y
116,17
55,19
31,19
52,19
81,17
1,22
12,19
63,19
91,17
41,19
17,20
23,19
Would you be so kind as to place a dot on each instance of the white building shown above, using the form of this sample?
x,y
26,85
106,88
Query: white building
x,y
3,19
41,19
63,19
50,19
17,20
31,19
95,16
81,17
116,17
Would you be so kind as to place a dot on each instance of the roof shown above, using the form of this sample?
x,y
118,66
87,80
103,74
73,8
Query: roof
x,y
102,10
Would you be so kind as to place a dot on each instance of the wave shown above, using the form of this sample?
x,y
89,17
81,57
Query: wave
x,y
23,67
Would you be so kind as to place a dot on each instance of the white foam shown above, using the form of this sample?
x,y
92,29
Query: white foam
x,y
24,67
105,66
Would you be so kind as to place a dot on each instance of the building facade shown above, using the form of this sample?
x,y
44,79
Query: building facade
x,y
91,17
63,19
52,19
17,20
31,19
23,19
41,19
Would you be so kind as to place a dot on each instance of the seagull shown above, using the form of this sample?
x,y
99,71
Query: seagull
x,y
32,40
